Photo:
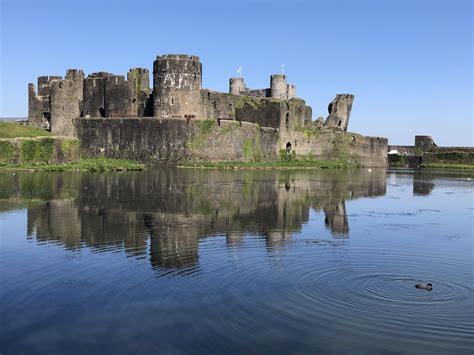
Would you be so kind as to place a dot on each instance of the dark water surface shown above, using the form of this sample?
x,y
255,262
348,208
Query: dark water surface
x,y
181,261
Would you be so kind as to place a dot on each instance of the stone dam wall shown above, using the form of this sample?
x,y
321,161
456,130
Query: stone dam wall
x,y
170,141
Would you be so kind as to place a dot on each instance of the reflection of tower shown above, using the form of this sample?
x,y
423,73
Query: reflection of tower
x,y
336,219
277,239
171,246
234,238
56,220
422,186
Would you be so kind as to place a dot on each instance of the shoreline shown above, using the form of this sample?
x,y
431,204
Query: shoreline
x,y
85,164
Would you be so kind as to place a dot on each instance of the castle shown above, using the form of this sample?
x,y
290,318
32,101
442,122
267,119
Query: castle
x,y
76,105
177,92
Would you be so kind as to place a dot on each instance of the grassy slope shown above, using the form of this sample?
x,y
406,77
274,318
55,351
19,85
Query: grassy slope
x,y
15,130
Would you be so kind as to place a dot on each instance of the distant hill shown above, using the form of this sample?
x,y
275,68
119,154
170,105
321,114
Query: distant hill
x,y
13,118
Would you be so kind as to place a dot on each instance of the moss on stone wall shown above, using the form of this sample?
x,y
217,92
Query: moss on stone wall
x,y
204,129
39,150
252,149
206,126
230,126
70,149
7,153
247,149
248,100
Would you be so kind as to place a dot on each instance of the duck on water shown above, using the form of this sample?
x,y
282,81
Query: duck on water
x,y
424,286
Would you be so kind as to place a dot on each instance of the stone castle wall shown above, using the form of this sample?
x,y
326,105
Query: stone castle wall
x,y
328,145
172,141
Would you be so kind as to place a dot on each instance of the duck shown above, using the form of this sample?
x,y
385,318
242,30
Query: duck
x,y
425,286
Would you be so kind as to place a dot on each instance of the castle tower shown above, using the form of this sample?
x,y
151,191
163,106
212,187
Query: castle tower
x,y
44,84
278,86
177,81
236,86
39,109
140,79
94,95
66,102
291,91
339,112
120,97
425,143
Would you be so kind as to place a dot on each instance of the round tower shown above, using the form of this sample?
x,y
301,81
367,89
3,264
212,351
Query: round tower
x,y
236,86
177,81
278,86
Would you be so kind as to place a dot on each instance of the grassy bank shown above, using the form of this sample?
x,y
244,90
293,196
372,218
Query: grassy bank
x,y
447,166
85,164
16,130
281,165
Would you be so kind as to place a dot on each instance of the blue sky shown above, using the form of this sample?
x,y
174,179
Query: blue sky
x,y
408,63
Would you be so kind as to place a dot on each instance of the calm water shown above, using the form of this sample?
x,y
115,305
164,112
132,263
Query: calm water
x,y
177,261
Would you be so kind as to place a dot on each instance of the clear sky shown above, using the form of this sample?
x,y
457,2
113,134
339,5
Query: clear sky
x,y
408,62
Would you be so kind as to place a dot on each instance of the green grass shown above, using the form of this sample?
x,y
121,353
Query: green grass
x,y
15,130
37,151
7,153
447,166
397,160
86,164
277,165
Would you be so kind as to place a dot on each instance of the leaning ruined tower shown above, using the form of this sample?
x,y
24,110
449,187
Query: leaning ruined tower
x,y
177,81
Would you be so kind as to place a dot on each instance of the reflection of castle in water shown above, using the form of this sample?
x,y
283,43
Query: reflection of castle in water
x,y
166,212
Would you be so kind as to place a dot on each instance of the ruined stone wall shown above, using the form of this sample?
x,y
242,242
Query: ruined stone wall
x,y
218,105
174,140
231,141
39,107
39,110
403,149
258,92
326,144
265,112
339,112
66,102
282,114
139,77
425,144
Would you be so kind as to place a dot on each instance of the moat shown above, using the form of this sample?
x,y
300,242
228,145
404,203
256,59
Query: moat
x,y
202,261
